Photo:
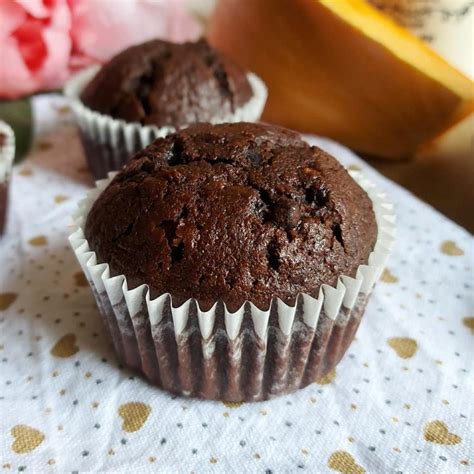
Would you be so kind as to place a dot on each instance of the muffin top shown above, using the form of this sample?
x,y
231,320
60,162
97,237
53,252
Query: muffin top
x,y
168,84
232,212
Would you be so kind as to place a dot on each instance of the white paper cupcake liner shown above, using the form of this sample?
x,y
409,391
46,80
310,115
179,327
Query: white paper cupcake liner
x,y
7,154
109,142
247,355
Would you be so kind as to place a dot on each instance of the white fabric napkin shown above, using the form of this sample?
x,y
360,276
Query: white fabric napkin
x,y
400,401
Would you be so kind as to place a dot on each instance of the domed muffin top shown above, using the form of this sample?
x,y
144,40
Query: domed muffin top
x,y
168,84
232,212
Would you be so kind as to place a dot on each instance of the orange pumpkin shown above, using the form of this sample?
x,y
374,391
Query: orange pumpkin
x,y
342,69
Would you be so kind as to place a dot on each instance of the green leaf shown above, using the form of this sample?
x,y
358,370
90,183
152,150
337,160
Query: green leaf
x,y
18,114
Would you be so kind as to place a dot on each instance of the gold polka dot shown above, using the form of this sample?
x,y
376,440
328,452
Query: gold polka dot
x,y
44,146
151,459
59,198
395,419
95,404
350,439
25,172
305,451
233,404
439,362
7,299
449,247
437,432
213,460
65,347
88,375
263,412
388,277
344,462
62,392
353,167
51,462
226,414
312,400
38,241
60,427
405,347
257,456
445,402
111,452
80,279
464,462
468,322
397,450
55,373
26,439
407,406
353,406
328,378
134,415
7,466
63,110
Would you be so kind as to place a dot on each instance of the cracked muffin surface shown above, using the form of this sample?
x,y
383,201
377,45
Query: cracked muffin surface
x,y
168,84
232,212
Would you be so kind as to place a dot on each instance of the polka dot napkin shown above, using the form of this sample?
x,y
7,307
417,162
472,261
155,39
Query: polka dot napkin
x,y
400,401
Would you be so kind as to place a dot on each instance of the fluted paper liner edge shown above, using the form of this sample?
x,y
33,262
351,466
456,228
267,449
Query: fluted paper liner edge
x,y
7,152
334,306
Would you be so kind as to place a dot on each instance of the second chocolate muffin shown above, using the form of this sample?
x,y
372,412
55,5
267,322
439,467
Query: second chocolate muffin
x,y
168,84
153,89
233,212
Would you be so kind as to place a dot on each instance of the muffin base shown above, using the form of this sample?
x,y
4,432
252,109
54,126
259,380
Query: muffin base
x,y
103,157
3,206
7,155
246,368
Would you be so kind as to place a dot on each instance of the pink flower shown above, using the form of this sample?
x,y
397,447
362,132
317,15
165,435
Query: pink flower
x,y
41,41
102,28
35,45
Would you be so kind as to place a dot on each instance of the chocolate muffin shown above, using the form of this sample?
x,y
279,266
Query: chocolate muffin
x,y
168,84
7,154
3,191
232,261
155,88
233,212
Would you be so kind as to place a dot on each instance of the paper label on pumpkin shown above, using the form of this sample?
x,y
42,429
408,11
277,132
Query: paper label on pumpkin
x,y
446,25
